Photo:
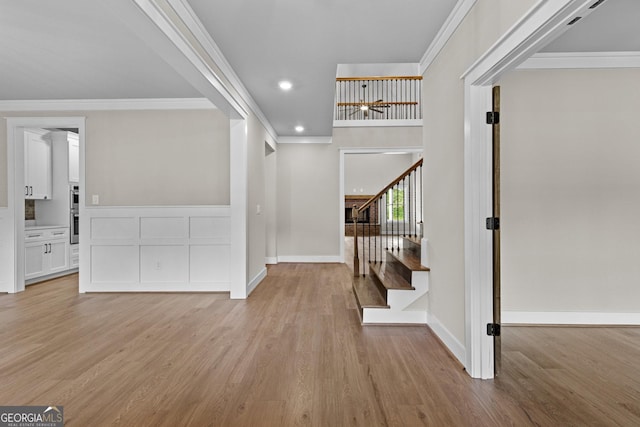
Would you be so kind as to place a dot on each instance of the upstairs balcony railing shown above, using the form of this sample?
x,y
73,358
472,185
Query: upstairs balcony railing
x,y
378,98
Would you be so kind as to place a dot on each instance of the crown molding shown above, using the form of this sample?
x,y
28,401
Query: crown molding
x,y
305,140
199,32
581,60
107,104
454,19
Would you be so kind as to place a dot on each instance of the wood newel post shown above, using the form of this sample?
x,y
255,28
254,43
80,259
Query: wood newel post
x,y
356,260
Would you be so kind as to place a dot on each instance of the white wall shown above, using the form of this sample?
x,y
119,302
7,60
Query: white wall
x,y
271,203
367,174
3,164
147,158
256,202
309,189
443,112
570,191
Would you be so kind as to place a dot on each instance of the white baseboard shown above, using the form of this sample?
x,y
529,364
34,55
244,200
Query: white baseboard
x,y
569,318
256,280
447,338
311,258
271,260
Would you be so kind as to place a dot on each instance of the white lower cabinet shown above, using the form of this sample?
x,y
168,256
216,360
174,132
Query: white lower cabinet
x,y
46,252
74,256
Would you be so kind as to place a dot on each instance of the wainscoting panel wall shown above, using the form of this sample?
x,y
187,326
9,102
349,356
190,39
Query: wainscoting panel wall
x,y
163,249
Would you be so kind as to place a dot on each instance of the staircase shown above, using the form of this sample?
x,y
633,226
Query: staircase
x,y
395,289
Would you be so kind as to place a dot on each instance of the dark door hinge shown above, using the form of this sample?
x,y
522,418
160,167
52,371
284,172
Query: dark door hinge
x,y
493,117
493,329
493,223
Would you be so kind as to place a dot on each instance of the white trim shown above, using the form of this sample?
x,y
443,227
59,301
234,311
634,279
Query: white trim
x,y
15,178
305,140
569,318
452,343
310,258
271,260
193,23
581,60
154,11
477,241
543,22
239,221
454,19
107,104
376,123
253,284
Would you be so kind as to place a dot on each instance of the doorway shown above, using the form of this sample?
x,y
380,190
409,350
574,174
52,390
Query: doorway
x,y
12,228
349,184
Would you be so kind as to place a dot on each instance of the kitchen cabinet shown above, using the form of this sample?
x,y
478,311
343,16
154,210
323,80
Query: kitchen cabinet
x,y
74,157
46,252
37,164
74,256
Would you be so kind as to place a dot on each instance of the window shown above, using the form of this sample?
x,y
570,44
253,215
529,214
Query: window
x,y
395,204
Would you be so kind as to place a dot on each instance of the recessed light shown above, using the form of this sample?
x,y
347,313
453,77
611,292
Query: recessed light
x,y
299,128
285,85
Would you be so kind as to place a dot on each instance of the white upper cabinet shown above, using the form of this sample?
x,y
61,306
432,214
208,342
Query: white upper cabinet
x,y
74,157
37,168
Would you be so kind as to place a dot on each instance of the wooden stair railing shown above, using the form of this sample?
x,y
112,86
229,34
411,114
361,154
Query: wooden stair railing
x,y
398,207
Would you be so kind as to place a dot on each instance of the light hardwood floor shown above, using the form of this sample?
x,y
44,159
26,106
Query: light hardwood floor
x,y
293,353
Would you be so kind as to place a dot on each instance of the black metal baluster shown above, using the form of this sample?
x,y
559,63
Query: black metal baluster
x,y
369,235
375,229
415,203
421,203
393,218
404,208
386,220
364,255
410,173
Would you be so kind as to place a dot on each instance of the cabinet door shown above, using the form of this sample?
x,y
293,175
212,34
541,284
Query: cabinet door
x,y
34,259
37,177
59,256
74,158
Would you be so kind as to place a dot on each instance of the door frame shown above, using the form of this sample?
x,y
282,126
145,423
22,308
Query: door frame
x,y
14,227
377,150
542,23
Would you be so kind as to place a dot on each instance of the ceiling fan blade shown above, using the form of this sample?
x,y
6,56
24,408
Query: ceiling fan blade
x,y
354,112
376,110
379,100
366,113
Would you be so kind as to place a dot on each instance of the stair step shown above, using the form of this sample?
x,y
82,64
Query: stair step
x,y
367,294
412,243
408,258
388,277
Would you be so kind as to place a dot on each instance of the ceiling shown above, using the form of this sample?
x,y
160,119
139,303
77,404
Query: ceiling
x,y
612,27
303,41
80,49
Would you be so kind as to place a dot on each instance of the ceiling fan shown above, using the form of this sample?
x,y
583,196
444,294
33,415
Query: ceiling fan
x,y
363,106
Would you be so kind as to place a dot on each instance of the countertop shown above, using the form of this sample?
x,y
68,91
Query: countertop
x,y
43,227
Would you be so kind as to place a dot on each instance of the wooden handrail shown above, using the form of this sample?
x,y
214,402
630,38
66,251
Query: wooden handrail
x,y
352,79
388,187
